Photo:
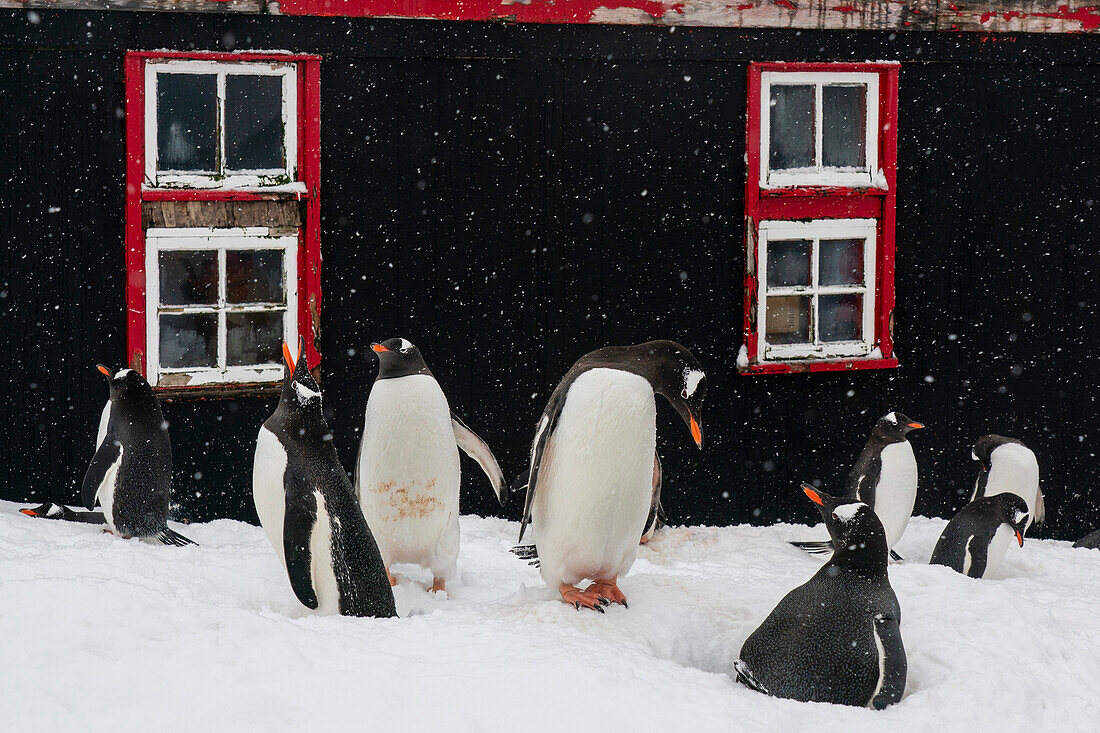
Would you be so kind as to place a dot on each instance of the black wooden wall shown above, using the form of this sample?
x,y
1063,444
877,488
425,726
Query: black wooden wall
x,y
510,197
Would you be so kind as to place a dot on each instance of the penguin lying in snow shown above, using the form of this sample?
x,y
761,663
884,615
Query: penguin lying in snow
x,y
836,638
50,510
130,474
1009,466
307,506
967,544
591,481
407,475
1090,541
885,478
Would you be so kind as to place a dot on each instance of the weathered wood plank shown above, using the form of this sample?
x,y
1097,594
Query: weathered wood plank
x,y
171,214
1030,16
181,6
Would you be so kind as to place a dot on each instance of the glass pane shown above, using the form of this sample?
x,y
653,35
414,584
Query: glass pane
x,y
788,262
788,319
843,126
254,276
188,277
187,122
841,262
791,144
254,122
253,338
189,340
841,317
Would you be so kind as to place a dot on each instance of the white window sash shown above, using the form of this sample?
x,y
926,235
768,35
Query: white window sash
x,y
224,178
815,231
868,176
219,240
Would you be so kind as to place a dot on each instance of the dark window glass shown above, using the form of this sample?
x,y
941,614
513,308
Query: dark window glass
x,y
254,276
788,263
254,122
788,319
840,318
188,277
791,144
188,340
187,122
253,338
843,126
840,262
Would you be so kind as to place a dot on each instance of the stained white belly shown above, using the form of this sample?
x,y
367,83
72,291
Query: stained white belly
x,y
595,483
896,492
268,492
320,547
408,473
1013,468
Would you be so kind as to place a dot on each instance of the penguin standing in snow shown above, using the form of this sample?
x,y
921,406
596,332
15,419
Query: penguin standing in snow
x,y
307,506
885,478
130,474
836,638
408,475
967,543
1009,466
593,470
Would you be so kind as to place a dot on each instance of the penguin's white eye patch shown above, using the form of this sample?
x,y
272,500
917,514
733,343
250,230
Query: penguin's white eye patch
x,y
847,512
305,394
122,373
692,377
892,417
1019,517
405,346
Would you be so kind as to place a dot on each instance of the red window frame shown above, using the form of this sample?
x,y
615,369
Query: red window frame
x,y
823,202
309,173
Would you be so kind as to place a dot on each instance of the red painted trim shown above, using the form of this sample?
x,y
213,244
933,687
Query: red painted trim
x,y
824,202
309,162
533,11
224,55
134,69
215,194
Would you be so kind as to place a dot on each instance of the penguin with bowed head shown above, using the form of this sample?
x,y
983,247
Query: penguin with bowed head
x,y
407,474
1007,465
593,472
967,544
885,478
130,475
836,638
307,506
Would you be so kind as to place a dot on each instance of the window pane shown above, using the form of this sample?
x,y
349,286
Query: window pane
x,y
841,262
254,122
791,144
189,340
788,262
187,122
841,317
253,338
254,276
188,277
844,124
788,319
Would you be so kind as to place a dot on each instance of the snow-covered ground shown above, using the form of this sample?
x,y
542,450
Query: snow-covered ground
x,y
101,634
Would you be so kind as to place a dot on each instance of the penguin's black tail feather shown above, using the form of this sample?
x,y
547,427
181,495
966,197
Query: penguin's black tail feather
x,y
745,677
527,552
896,557
169,536
815,548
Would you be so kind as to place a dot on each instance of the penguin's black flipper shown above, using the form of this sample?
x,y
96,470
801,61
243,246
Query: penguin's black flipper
x,y
169,536
476,448
105,458
896,557
530,553
815,548
546,428
64,513
745,677
301,515
895,667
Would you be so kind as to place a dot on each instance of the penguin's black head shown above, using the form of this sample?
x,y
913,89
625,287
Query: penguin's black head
x,y
893,427
983,449
677,376
398,357
126,384
857,533
1012,510
300,389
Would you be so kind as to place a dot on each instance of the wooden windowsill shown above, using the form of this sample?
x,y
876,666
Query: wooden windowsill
x,y
823,365
218,391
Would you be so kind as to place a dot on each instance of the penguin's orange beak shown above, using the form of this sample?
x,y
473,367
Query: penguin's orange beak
x,y
696,431
916,425
287,357
1020,537
103,370
378,348
814,496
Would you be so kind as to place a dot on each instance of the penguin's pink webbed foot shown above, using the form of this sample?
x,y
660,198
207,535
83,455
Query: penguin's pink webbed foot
x,y
579,598
607,592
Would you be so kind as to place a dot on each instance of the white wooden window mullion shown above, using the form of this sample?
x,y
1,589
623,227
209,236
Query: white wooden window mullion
x,y
819,117
814,311
222,340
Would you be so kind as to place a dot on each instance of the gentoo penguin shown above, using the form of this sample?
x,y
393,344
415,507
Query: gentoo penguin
x,y
1090,541
591,481
1009,465
885,478
307,506
407,475
836,638
967,545
131,472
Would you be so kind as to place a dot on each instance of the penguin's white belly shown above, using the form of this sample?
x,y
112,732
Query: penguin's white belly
x,y
595,485
1013,468
896,492
408,474
320,548
268,489
998,546
106,492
